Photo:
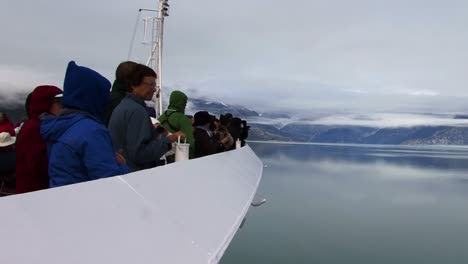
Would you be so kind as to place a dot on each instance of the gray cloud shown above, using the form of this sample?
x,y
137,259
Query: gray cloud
x,y
309,55
378,120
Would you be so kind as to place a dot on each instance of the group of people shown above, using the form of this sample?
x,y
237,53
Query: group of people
x,y
90,131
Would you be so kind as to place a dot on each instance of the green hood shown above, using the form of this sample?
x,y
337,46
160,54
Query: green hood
x,y
178,101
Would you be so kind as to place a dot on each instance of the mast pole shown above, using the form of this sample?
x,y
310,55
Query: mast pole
x,y
156,43
158,105
162,13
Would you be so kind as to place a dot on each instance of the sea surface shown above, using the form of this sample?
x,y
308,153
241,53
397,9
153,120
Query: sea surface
x,y
357,204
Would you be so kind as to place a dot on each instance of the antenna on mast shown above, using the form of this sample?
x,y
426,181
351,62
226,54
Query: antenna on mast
x,y
153,36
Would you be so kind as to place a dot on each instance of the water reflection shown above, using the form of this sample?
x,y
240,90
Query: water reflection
x,y
450,157
355,204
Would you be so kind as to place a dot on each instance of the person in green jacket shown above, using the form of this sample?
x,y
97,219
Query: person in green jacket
x,y
174,119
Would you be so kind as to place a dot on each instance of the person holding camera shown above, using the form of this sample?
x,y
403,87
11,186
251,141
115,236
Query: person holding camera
x,y
222,132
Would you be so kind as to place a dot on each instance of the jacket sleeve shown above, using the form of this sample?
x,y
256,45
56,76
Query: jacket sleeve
x,y
142,145
161,117
99,156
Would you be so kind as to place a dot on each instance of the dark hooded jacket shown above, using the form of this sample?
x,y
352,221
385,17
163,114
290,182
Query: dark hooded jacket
x,y
7,170
79,145
31,151
205,141
119,91
174,119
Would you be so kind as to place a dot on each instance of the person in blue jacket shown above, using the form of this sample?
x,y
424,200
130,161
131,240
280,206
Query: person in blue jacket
x,y
78,144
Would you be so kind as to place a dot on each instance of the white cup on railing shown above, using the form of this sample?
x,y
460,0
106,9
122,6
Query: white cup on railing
x,y
238,144
182,150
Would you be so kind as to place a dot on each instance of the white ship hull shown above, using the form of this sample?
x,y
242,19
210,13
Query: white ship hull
x,y
186,212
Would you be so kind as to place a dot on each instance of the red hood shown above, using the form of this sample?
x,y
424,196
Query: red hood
x,y
41,99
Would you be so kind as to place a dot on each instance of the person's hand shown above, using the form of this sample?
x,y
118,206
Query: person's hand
x,y
225,139
119,157
156,125
176,135
161,130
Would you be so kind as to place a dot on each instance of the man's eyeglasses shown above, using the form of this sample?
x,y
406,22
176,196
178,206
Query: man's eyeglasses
x,y
151,84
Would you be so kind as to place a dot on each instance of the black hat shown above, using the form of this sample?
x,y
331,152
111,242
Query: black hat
x,y
228,116
201,118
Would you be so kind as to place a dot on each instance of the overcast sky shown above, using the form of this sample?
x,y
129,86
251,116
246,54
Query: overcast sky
x,y
326,55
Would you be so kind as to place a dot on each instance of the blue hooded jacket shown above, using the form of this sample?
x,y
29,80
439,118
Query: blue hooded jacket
x,y
79,146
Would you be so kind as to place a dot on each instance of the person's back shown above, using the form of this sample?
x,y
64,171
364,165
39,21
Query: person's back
x,y
31,150
205,142
79,145
174,118
120,88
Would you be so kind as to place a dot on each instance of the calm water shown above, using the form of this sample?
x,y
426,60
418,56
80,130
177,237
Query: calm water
x,y
357,204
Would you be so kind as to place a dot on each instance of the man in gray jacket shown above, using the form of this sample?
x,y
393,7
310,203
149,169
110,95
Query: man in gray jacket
x,y
130,126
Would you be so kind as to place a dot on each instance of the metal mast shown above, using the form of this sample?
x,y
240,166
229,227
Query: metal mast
x,y
156,27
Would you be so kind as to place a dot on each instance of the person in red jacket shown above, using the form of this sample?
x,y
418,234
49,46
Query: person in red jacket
x,y
6,125
31,150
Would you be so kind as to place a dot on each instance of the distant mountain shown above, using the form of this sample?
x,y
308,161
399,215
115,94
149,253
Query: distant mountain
x,y
257,133
443,136
282,127
221,108
266,132
420,135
